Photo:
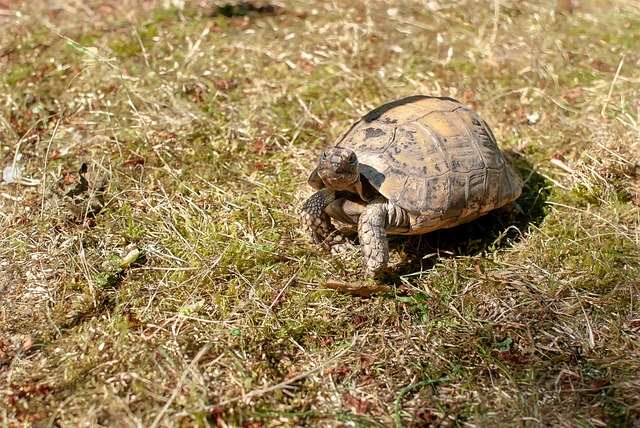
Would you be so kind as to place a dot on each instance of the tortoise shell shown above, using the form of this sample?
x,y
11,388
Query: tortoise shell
x,y
433,157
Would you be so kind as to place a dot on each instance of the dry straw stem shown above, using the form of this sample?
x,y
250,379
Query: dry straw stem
x,y
198,124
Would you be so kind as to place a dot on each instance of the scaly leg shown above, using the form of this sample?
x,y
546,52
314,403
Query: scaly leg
x,y
318,224
372,232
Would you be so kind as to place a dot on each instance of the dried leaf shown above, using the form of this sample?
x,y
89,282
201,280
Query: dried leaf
x,y
355,289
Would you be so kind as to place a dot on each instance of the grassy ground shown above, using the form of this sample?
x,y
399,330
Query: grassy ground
x,y
198,126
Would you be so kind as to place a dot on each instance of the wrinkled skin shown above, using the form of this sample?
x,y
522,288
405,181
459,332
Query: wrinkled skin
x,y
344,196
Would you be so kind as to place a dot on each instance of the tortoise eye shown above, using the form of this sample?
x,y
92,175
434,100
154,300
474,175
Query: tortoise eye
x,y
323,156
353,159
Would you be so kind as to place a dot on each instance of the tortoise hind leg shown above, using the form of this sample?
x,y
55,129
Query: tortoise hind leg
x,y
372,232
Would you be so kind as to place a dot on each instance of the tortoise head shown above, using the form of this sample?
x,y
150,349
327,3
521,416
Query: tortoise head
x,y
338,168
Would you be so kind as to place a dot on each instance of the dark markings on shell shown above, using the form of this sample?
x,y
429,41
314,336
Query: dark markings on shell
x,y
373,133
434,158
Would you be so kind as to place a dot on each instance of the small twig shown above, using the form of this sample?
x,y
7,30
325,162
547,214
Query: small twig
x,y
612,153
193,49
613,82
308,111
363,290
496,21
145,55
562,165
275,301
553,100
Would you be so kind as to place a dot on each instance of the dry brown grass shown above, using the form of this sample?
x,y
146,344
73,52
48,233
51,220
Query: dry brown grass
x,y
199,130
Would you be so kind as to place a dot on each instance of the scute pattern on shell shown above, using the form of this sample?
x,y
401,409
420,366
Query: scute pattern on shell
x,y
433,157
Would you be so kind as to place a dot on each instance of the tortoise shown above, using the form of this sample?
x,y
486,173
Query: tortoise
x,y
408,167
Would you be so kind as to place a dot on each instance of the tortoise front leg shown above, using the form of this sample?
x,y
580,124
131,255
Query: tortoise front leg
x,y
372,232
318,224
